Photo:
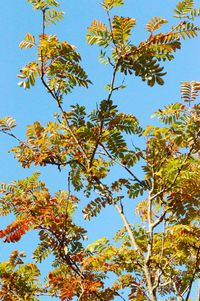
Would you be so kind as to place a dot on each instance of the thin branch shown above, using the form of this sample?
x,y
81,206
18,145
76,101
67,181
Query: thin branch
x,y
160,219
147,268
198,291
112,89
71,131
119,295
43,20
64,116
111,29
149,41
12,135
121,164
108,194
56,97
193,275
150,231
102,121
128,228
63,112
180,298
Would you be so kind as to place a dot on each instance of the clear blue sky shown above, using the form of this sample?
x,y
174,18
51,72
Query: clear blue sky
x,y
18,18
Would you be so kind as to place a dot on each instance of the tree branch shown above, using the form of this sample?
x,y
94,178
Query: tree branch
x,y
121,164
102,121
193,275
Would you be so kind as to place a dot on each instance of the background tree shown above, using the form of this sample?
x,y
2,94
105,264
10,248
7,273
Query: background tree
x,y
155,255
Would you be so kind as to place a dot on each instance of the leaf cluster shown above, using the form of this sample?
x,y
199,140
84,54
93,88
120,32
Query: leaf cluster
x,y
144,59
19,281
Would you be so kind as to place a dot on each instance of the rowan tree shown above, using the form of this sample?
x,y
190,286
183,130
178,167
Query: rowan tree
x,y
156,254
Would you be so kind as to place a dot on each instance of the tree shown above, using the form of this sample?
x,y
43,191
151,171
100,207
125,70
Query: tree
x,y
157,257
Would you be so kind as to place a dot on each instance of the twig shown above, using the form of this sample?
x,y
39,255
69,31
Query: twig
x,y
193,276
102,121
108,194
12,135
57,98
121,164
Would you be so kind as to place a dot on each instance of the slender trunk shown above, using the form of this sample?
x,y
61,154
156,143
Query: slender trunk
x,y
151,292
147,268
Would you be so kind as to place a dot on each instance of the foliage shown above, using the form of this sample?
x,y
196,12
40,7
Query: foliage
x,y
19,281
143,59
157,258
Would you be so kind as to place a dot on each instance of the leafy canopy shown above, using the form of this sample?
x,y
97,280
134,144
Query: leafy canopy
x,y
154,256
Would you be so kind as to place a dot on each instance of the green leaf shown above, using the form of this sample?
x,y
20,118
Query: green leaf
x,y
190,90
53,16
7,123
28,42
159,80
103,59
109,4
29,74
116,143
98,246
183,8
155,23
94,207
98,34
187,30
195,12
121,28
43,4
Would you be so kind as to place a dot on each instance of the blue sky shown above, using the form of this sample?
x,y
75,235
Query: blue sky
x,y
18,18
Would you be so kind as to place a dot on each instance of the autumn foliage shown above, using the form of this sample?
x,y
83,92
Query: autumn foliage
x,y
157,257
